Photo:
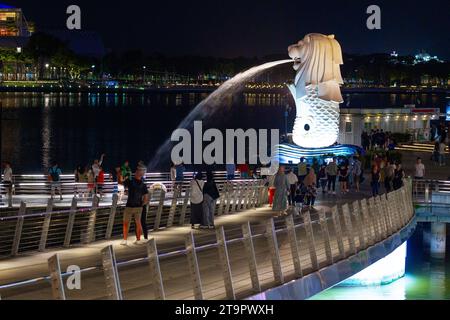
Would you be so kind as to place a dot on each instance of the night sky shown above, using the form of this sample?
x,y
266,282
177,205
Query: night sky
x,y
252,28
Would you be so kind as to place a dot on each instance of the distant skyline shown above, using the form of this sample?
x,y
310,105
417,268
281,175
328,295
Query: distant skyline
x,y
252,28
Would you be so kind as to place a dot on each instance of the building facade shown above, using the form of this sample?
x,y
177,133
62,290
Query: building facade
x,y
13,22
396,120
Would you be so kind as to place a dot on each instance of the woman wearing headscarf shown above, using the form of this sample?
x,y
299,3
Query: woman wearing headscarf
x,y
196,186
281,185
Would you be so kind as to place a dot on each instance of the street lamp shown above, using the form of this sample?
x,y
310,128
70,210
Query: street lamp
x,y
46,70
18,51
144,68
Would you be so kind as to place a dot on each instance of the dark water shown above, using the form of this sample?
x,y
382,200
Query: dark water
x,y
425,279
71,128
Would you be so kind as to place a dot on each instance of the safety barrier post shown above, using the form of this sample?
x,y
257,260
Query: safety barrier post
x,y
349,228
56,281
310,239
19,227
326,236
292,237
274,251
250,250
111,273
225,263
155,270
368,224
162,196
46,225
184,207
359,225
90,233
70,222
112,216
173,207
193,266
338,231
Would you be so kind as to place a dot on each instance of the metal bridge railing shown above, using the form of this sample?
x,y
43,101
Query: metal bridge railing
x,y
24,231
423,189
249,259
37,184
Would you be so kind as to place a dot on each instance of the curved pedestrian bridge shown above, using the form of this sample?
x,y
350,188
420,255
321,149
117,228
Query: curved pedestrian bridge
x,y
251,254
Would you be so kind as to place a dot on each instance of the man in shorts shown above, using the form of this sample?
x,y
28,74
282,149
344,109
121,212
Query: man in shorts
x,y
54,175
137,198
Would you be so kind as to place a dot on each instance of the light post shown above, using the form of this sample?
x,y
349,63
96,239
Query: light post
x,y
93,69
18,51
46,70
144,68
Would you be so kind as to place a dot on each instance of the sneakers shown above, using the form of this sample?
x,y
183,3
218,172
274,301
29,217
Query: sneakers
x,y
124,243
212,227
203,227
139,242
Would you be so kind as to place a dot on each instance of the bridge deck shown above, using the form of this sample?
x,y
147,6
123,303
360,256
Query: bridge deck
x,y
135,279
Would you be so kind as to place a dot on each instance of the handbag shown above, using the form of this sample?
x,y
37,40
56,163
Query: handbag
x,y
200,188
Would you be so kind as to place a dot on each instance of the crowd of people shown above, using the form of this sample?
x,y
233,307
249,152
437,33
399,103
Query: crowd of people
x,y
298,186
377,138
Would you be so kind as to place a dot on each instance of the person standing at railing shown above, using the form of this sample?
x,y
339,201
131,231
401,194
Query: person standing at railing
x,y
389,170
281,185
357,170
231,169
375,182
311,188
126,172
173,173
118,178
8,182
143,168
271,189
96,170
100,181
90,182
179,177
137,197
331,171
210,195
293,180
419,173
399,175
54,176
77,176
196,186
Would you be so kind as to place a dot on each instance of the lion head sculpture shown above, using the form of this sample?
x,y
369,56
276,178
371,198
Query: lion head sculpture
x,y
317,59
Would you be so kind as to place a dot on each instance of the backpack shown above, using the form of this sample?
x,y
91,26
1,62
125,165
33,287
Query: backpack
x,y
54,174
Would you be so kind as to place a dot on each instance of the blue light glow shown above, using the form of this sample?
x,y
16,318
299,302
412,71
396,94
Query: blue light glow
x,y
289,153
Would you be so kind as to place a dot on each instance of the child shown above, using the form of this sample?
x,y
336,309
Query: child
x,y
299,197
311,195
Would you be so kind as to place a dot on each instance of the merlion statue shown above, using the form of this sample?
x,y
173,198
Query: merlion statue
x,y
316,90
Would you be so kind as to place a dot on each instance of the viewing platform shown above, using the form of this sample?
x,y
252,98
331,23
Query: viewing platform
x,y
250,254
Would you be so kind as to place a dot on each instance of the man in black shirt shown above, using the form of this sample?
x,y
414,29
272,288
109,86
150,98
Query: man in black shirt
x,y
137,197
